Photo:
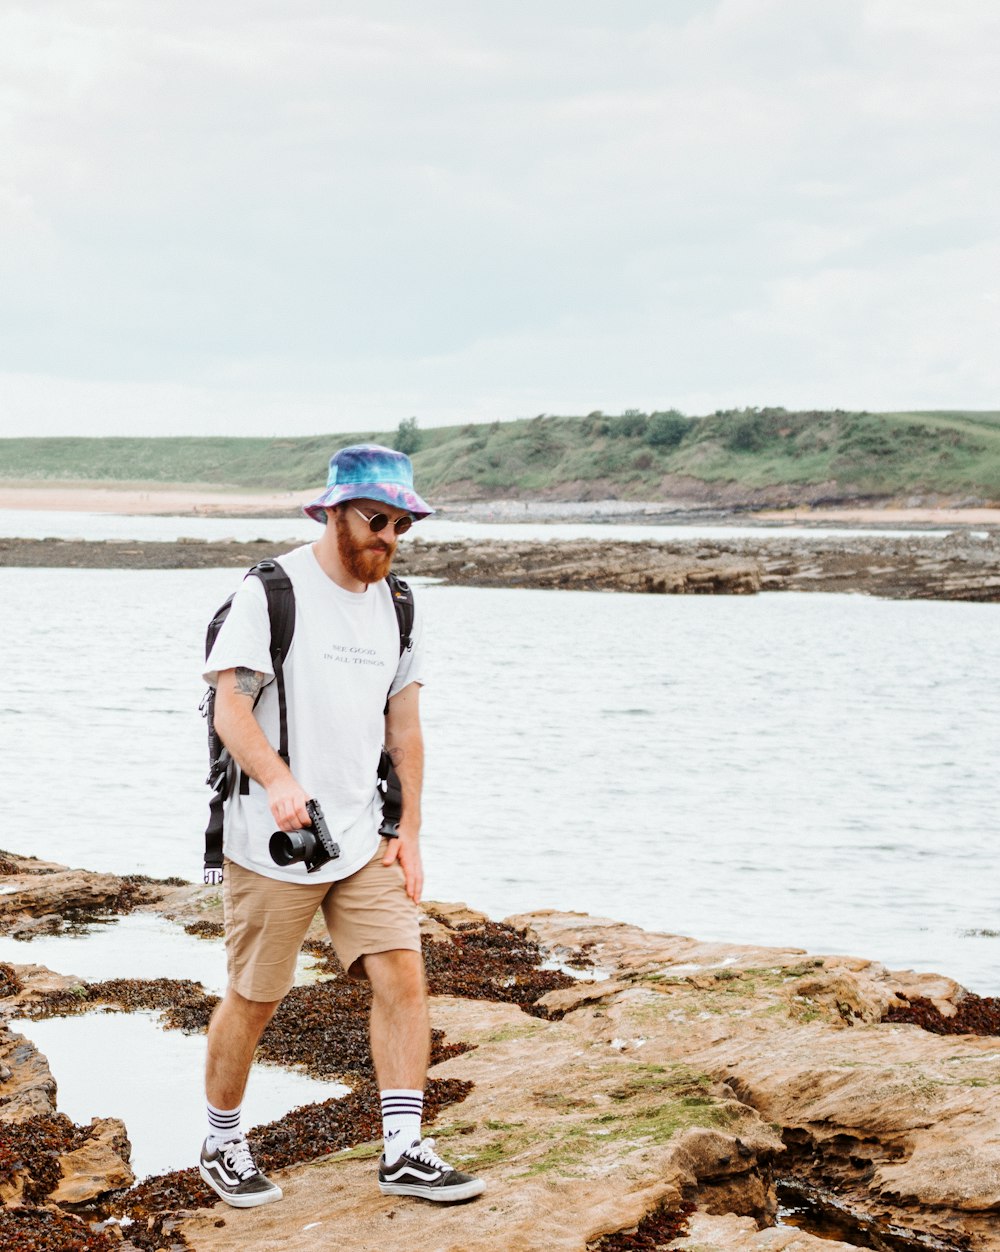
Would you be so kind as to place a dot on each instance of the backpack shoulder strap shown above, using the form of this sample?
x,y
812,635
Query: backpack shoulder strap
x,y
402,602
281,615
215,625
389,785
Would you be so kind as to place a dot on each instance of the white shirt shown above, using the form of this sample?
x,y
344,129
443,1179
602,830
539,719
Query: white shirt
x,y
342,665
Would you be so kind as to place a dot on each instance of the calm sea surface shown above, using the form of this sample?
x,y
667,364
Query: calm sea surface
x,y
813,770
27,524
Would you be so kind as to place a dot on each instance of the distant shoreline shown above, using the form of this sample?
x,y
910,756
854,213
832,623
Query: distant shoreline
x,y
182,499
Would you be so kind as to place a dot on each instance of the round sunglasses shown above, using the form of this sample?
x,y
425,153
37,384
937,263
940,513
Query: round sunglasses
x,y
379,521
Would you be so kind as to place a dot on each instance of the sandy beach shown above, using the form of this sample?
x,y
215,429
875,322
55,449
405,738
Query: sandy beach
x,y
144,498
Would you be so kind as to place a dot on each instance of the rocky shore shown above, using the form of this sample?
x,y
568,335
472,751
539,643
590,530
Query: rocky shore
x,y
964,565
953,567
616,1089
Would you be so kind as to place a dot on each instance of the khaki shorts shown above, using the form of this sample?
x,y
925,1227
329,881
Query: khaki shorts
x,y
267,919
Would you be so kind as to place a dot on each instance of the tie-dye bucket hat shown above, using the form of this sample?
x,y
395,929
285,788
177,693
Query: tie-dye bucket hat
x,y
367,471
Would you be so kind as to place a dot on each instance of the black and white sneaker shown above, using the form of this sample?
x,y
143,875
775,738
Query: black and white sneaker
x,y
421,1172
231,1174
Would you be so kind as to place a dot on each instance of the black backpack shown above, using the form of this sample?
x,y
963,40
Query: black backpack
x,y
222,769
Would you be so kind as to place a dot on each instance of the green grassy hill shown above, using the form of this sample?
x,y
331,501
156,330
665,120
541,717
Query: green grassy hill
x,y
634,455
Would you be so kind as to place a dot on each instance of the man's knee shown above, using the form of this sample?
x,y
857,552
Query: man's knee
x,y
397,974
235,1011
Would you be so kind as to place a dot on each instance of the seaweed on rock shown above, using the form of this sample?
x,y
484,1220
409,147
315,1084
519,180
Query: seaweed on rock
x,y
490,961
205,929
323,1029
658,1228
31,1150
10,983
185,1004
974,1015
43,1230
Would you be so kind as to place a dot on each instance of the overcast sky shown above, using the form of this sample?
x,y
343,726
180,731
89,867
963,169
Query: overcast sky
x,y
268,216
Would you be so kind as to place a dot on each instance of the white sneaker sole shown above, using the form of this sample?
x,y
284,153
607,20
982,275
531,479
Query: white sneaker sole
x,y
441,1195
241,1201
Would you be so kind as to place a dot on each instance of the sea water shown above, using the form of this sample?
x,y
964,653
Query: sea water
x,y
47,524
813,770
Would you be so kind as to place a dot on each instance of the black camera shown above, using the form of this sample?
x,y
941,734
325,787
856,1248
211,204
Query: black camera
x,y
313,844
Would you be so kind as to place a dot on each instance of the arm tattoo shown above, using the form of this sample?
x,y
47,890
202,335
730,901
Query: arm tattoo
x,y
395,755
248,682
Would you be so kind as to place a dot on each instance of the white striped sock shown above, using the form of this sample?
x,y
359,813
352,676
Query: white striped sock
x,y
223,1125
401,1114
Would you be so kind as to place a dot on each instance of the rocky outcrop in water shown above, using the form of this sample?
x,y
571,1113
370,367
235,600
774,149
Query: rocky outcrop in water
x,y
583,565
27,1087
42,898
960,566
954,567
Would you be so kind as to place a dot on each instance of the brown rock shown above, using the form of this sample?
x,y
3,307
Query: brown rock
x,y
620,948
574,1140
37,981
583,564
668,1075
944,993
14,864
713,1233
453,914
99,1166
949,1176
44,902
27,1086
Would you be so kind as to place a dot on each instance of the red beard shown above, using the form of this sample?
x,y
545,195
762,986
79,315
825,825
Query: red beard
x,y
368,561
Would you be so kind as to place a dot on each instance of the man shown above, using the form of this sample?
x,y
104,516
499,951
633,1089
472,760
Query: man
x,y
343,665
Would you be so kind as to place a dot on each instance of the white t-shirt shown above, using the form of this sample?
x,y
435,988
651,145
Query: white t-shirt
x,y
343,663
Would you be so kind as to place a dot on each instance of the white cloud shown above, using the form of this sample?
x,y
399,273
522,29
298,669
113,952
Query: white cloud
x,y
263,212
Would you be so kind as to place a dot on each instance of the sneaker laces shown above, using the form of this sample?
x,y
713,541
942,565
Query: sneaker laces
x,y
238,1159
424,1151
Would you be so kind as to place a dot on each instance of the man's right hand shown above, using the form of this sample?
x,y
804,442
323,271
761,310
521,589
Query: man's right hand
x,y
288,804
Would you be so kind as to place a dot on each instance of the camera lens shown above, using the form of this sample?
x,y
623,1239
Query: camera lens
x,y
288,846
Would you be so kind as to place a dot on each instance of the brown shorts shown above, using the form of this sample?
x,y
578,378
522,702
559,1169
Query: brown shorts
x,y
267,919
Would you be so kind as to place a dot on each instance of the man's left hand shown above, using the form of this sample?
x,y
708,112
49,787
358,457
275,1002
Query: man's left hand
x,y
405,849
